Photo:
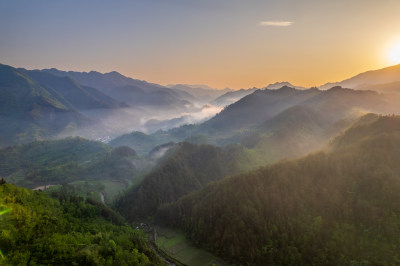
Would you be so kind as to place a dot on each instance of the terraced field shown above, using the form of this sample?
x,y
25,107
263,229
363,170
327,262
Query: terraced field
x,y
175,245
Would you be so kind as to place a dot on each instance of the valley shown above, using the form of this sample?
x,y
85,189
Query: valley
x,y
199,133
281,175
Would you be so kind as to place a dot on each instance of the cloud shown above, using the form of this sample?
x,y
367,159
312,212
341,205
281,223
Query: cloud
x,y
275,23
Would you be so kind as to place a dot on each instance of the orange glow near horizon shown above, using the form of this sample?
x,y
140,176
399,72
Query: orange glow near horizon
x,y
240,44
311,76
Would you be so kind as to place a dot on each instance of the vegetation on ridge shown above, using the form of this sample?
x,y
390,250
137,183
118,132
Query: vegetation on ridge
x,y
66,230
339,207
188,167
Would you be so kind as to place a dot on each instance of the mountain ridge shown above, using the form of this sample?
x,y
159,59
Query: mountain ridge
x,y
371,77
30,112
330,207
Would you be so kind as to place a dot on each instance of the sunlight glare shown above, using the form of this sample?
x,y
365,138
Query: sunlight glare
x,y
394,54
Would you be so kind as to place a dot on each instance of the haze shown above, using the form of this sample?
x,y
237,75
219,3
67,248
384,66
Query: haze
x,y
223,43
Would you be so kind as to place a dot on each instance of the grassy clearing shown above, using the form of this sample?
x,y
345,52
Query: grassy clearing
x,y
175,244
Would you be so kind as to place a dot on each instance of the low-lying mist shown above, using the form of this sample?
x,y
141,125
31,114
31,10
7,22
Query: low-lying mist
x,y
109,124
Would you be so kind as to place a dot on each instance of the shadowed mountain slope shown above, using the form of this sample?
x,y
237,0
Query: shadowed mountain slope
x,y
77,96
30,112
131,91
187,168
338,207
257,107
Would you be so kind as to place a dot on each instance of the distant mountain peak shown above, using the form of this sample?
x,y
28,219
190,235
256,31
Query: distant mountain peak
x,y
336,88
281,83
281,90
196,86
339,89
114,74
278,85
286,88
91,72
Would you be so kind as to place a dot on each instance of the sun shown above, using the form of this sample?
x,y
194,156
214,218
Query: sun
x,y
394,54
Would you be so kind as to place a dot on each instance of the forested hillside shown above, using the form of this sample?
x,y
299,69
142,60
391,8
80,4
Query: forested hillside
x,y
75,95
140,142
293,211
256,108
29,112
69,160
200,133
335,207
262,105
131,91
48,104
188,167
265,120
37,229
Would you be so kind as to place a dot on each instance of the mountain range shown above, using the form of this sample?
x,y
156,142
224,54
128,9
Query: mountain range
x,y
96,105
43,104
233,96
30,112
337,206
282,175
269,125
201,92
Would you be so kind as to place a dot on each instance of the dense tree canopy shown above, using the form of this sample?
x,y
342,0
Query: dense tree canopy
x,y
188,168
338,207
65,160
66,230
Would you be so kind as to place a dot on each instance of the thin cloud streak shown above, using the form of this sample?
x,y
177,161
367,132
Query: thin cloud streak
x,y
275,23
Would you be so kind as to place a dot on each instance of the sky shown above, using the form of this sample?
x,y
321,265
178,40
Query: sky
x,y
221,43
